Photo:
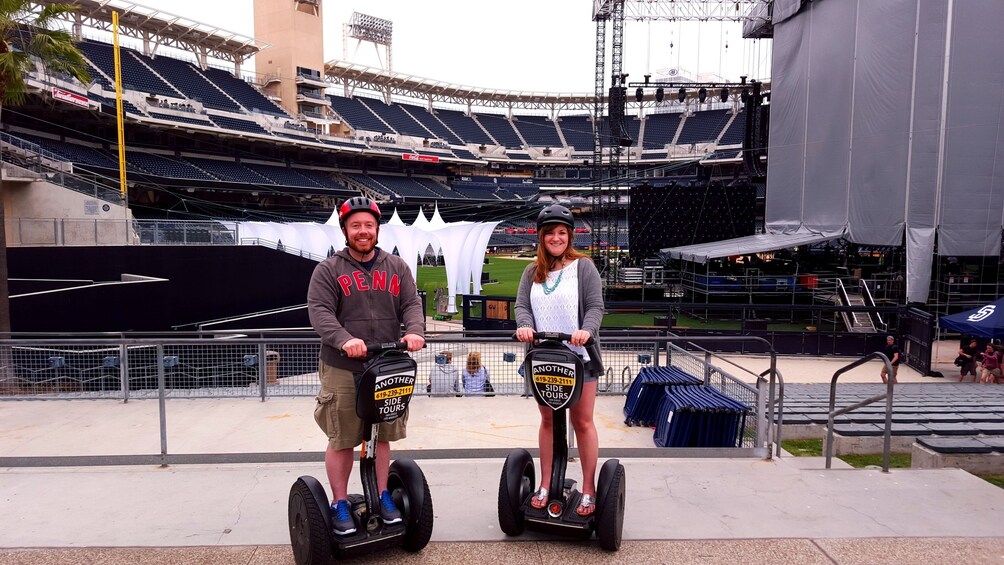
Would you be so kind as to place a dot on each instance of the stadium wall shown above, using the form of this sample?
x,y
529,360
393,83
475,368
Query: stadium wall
x,y
197,284
32,208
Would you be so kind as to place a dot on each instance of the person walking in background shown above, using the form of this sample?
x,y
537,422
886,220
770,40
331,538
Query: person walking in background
x,y
360,294
967,357
561,292
893,353
474,375
444,379
991,365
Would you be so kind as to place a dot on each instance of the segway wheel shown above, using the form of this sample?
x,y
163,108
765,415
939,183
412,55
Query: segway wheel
x,y
410,490
309,523
610,507
515,486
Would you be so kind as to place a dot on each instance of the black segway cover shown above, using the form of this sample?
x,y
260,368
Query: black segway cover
x,y
556,374
385,387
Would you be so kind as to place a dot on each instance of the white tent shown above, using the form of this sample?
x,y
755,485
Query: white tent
x,y
462,244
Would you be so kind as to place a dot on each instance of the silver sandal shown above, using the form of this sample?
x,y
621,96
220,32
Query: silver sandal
x,y
539,497
587,505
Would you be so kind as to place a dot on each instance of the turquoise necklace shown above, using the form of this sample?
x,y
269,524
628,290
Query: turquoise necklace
x,y
550,289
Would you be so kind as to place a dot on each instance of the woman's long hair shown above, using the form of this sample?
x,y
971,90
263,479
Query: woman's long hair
x,y
544,259
473,362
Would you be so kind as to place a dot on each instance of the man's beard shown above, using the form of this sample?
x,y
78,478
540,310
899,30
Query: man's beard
x,y
356,247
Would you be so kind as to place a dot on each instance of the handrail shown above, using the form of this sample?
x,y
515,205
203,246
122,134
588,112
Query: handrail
x,y
780,406
284,248
886,444
202,326
869,301
846,301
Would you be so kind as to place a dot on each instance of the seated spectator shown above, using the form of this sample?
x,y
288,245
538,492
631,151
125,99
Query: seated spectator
x,y
444,380
475,375
991,365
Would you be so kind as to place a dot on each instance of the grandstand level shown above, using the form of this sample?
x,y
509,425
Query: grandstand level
x,y
306,132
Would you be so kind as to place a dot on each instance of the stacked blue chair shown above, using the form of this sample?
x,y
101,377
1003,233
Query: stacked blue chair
x,y
641,407
699,416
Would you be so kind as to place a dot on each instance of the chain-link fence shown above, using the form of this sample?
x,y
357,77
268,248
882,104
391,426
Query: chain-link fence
x,y
232,365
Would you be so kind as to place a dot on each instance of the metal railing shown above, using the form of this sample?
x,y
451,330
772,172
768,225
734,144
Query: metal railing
x,y
845,300
870,302
238,365
887,396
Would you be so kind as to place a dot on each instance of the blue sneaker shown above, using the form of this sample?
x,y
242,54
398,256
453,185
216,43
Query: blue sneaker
x,y
341,518
389,512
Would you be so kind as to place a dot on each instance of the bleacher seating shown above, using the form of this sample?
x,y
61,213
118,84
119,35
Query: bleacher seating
x,y
737,130
280,175
660,130
935,414
520,155
702,127
437,188
578,132
162,166
464,154
432,123
501,129
298,137
185,78
477,188
72,152
343,143
238,124
464,126
183,119
135,75
371,183
405,186
228,171
357,115
320,179
634,129
108,105
396,117
247,95
538,131
521,189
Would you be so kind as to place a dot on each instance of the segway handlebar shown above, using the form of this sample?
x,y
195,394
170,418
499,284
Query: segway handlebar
x,y
374,348
557,336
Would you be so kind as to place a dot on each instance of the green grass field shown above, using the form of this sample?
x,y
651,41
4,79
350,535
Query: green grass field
x,y
508,271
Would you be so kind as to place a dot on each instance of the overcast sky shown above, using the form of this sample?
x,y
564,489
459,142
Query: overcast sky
x,y
533,45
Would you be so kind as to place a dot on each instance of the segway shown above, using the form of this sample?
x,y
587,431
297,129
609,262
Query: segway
x,y
383,392
556,377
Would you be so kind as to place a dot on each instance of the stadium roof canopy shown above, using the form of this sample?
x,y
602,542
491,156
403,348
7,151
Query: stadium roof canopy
x,y
751,244
156,28
353,76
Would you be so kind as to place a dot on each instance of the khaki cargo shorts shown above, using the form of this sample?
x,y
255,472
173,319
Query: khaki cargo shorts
x,y
335,412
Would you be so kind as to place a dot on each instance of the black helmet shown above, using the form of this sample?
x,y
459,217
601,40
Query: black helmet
x,y
355,204
555,214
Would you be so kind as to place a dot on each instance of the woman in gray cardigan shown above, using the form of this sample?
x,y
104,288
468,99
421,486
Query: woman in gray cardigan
x,y
561,292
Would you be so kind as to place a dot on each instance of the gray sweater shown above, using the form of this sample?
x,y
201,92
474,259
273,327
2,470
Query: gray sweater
x,y
345,301
590,307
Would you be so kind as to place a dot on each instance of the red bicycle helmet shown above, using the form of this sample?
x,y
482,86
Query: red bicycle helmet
x,y
357,204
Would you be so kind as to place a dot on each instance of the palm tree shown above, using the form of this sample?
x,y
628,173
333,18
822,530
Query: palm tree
x,y
25,36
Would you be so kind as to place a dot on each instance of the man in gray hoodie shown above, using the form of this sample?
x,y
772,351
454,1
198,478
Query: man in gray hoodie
x,y
361,294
